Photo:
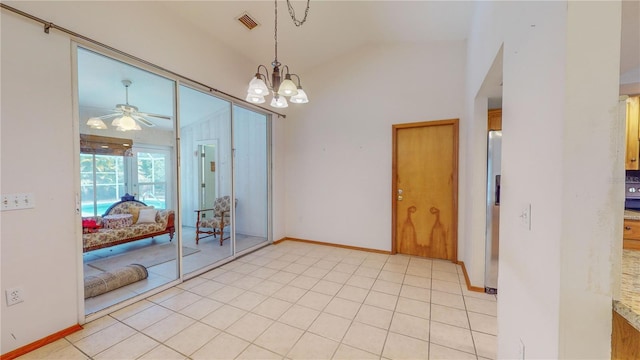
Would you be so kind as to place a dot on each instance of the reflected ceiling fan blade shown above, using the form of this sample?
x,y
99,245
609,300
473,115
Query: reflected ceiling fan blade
x,y
109,116
165,117
143,120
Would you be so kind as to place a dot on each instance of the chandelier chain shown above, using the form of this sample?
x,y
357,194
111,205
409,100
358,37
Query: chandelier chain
x,y
275,33
292,12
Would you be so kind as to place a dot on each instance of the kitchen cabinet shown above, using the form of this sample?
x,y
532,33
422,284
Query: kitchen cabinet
x,y
495,120
633,137
631,235
625,339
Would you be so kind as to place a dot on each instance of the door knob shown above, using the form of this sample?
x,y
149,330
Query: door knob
x,y
400,197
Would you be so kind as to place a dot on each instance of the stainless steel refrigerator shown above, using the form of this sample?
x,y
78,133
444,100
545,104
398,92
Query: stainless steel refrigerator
x,y
494,147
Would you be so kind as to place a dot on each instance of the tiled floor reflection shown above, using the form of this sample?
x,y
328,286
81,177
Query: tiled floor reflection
x,y
209,252
300,301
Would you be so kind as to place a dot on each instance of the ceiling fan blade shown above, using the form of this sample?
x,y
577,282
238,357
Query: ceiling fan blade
x,y
165,117
143,120
109,116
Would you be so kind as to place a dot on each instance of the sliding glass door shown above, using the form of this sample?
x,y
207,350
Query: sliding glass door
x,y
251,163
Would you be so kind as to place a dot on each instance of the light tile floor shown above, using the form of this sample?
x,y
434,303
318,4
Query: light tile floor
x,y
209,253
300,301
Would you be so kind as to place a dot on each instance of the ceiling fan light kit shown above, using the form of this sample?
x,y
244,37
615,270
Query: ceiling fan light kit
x,y
260,85
127,117
96,123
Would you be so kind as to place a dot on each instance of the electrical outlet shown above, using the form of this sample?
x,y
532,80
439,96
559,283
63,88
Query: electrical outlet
x,y
14,296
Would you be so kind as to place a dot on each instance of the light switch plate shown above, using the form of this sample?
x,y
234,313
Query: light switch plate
x,y
525,216
17,201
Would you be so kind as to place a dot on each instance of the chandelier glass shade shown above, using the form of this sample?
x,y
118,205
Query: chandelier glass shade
x,y
262,84
300,98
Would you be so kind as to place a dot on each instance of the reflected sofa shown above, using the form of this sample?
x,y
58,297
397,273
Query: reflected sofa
x,y
126,230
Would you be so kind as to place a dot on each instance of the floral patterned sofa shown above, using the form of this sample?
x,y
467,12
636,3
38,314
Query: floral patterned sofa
x,y
116,227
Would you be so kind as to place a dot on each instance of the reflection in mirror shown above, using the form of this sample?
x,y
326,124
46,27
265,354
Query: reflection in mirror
x,y
208,182
127,177
205,144
250,131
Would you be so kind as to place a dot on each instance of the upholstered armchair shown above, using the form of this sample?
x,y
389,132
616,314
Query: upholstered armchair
x,y
213,221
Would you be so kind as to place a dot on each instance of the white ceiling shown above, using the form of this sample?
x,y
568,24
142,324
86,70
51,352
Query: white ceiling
x,y
332,29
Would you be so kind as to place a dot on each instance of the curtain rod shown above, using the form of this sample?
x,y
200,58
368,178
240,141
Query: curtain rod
x,y
49,25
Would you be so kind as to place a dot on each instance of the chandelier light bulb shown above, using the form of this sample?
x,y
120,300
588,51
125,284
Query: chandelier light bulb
x,y
301,98
255,99
258,87
279,102
288,88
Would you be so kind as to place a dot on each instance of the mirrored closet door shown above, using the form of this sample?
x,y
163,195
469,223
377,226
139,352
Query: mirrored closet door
x,y
128,194
206,191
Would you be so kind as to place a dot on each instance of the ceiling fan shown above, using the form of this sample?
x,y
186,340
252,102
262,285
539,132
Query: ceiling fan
x,y
126,116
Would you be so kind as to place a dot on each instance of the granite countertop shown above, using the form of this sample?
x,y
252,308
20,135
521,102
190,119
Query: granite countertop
x,y
629,304
631,215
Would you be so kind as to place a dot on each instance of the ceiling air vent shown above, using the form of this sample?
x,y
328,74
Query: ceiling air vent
x,y
248,21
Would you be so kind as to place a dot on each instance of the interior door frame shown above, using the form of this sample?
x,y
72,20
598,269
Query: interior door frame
x,y
394,178
201,171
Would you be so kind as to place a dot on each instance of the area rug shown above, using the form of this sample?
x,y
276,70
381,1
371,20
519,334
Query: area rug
x,y
95,285
148,257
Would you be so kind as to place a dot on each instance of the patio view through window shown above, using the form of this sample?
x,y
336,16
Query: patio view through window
x,y
105,179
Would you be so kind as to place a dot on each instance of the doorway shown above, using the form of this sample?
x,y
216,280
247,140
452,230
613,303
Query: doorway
x,y
425,189
208,183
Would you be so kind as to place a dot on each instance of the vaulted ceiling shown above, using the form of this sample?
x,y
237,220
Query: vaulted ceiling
x,y
333,28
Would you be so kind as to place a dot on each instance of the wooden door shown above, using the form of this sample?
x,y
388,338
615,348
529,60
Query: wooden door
x,y
494,119
425,186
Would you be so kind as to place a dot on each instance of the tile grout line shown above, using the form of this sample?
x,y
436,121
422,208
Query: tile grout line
x,y
306,291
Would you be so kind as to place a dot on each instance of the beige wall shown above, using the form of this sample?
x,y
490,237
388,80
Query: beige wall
x,y
39,251
40,247
562,141
338,147
336,155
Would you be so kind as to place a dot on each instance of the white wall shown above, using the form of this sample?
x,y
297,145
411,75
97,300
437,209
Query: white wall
x,y
593,154
37,141
215,127
338,146
38,246
561,154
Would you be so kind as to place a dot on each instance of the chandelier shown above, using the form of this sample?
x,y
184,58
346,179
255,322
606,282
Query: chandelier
x,y
261,85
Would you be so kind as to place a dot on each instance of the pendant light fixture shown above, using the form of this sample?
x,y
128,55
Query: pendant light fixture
x,y
262,85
